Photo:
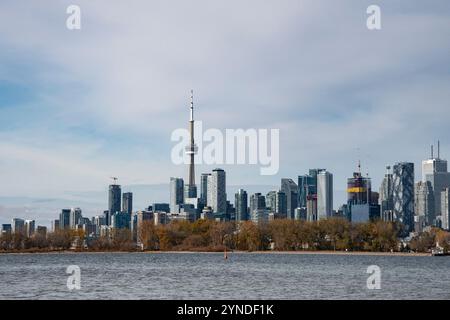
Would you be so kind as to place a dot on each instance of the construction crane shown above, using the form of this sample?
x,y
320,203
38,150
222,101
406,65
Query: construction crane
x,y
114,179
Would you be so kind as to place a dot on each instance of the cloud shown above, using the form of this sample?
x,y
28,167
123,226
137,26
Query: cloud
x,y
80,106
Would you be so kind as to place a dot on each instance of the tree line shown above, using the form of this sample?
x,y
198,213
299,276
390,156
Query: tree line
x,y
208,235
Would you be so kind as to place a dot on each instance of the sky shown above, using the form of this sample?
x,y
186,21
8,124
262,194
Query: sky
x,y
80,106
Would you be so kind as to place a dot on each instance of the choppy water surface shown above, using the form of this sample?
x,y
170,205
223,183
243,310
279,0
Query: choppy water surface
x,y
209,276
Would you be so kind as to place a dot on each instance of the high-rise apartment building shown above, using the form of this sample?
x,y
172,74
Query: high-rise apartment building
x,y
217,196
290,189
176,193
445,208
241,205
127,202
324,195
114,200
403,195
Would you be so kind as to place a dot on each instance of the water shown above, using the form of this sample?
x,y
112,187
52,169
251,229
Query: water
x,y
209,276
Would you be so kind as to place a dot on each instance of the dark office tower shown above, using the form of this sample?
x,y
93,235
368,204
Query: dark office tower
x,y
290,189
387,193
306,187
313,174
204,187
191,150
276,202
64,219
403,184
241,205
115,194
257,202
176,193
127,202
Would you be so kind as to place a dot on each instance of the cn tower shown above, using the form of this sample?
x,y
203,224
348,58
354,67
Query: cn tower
x,y
191,150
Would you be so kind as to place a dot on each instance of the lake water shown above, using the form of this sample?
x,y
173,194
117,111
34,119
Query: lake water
x,y
209,276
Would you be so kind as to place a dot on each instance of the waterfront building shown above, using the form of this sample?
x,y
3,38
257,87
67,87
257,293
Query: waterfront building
x,y
306,187
160,217
241,205
424,203
434,171
301,213
204,188
127,202
30,226
386,199
217,197
161,207
42,231
18,226
445,209
75,216
403,195
64,219
290,189
324,195
55,225
176,193
120,220
6,228
114,201
311,207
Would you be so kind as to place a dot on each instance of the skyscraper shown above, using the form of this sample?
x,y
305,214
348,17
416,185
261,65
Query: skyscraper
x,y
445,208
204,188
64,219
176,193
74,217
114,200
434,170
258,212
241,205
403,195
424,203
313,174
276,203
127,202
306,187
386,199
30,226
217,197
191,150
324,195
18,226
290,189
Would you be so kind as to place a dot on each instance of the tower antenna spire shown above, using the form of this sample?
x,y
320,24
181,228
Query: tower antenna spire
x,y
192,105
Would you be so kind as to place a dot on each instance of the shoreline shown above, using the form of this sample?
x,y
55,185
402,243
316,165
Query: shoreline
x,y
315,252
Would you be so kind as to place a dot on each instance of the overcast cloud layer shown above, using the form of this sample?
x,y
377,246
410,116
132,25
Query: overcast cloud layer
x,y
77,107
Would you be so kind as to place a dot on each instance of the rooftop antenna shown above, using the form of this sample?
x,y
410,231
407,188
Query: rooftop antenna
x,y
114,180
192,105
439,149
